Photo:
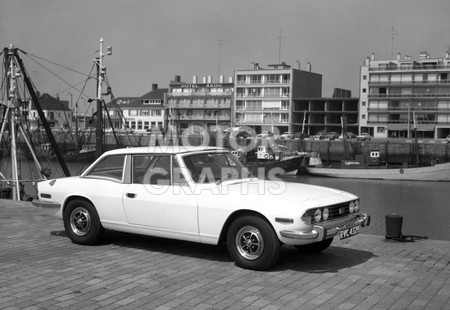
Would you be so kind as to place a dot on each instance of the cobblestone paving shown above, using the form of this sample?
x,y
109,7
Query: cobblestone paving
x,y
41,269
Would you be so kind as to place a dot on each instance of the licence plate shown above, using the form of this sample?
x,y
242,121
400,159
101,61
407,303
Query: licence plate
x,y
349,232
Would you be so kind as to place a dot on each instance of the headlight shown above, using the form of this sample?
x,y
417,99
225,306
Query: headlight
x,y
356,205
325,214
317,215
351,207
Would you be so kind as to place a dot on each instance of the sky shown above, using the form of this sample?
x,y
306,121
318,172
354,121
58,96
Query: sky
x,y
155,40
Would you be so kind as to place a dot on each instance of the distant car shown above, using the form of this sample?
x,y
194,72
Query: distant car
x,y
319,135
331,135
287,135
199,194
300,135
349,135
364,137
265,134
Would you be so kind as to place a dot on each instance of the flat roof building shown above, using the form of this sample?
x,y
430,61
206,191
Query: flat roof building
x,y
263,97
404,95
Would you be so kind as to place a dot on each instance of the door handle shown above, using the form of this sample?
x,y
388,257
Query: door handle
x,y
131,195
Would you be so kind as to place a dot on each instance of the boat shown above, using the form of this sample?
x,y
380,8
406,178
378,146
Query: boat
x,y
437,172
270,161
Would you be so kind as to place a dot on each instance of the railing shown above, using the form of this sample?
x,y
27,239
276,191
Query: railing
x,y
410,68
409,95
283,82
408,82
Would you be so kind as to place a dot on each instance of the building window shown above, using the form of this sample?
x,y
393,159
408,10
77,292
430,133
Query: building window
x,y
271,79
363,116
145,112
364,90
133,112
363,103
271,92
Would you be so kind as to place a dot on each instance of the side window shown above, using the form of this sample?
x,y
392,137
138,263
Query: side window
x,y
109,167
151,170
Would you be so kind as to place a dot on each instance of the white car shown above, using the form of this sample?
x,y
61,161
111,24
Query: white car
x,y
199,194
287,135
364,137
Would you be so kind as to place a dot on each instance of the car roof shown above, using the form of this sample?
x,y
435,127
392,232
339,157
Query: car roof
x,y
169,149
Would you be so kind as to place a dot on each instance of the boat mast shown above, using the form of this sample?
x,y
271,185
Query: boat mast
x,y
41,114
11,101
101,70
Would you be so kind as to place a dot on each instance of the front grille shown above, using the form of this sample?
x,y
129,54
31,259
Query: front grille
x,y
335,212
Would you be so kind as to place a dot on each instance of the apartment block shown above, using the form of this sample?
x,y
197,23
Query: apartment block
x,y
202,103
405,97
263,97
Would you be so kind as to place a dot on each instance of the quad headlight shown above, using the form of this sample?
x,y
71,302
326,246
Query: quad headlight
x,y
317,215
323,214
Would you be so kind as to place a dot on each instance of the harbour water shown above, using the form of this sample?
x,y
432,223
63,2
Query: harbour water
x,y
424,206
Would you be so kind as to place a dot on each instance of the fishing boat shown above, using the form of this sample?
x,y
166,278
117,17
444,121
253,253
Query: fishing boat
x,y
270,161
354,169
18,179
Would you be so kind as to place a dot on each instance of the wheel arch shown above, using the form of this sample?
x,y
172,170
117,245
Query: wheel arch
x,y
235,215
75,197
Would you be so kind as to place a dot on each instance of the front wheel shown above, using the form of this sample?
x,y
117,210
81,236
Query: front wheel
x,y
252,243
82,222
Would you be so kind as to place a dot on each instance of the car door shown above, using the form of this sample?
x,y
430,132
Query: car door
x,y
159,200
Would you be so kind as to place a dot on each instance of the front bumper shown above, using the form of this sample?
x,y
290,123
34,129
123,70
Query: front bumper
x,y
50,208
321,232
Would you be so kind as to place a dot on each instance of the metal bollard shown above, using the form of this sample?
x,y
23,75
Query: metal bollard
x,y
393,226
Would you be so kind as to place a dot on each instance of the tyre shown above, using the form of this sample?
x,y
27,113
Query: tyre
x,y
82,223
316,247
252,243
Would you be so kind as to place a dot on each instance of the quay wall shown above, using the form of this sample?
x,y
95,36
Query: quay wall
x,y
391,151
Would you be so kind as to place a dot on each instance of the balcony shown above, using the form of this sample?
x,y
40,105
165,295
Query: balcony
x,y
409,82
415,67
422,95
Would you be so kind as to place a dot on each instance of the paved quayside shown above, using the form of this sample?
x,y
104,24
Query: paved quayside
x,y
41,269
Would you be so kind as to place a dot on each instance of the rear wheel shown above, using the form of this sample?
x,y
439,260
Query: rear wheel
x,y
82,222
252,243
316,247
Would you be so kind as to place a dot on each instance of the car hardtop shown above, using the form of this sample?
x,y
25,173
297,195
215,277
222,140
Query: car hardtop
x,y
172,150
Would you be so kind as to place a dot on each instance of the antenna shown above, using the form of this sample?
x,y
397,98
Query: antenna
x,y
394,33
220,53
279,47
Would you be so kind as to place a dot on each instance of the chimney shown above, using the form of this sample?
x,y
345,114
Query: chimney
x,y
256,66
309,66
367,61
372,57
447,55
230,79
178,78
154,87
194,79
204,80
209,79
399,56
221,79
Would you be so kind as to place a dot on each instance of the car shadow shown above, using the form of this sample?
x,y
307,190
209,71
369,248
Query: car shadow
x,y
331,260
